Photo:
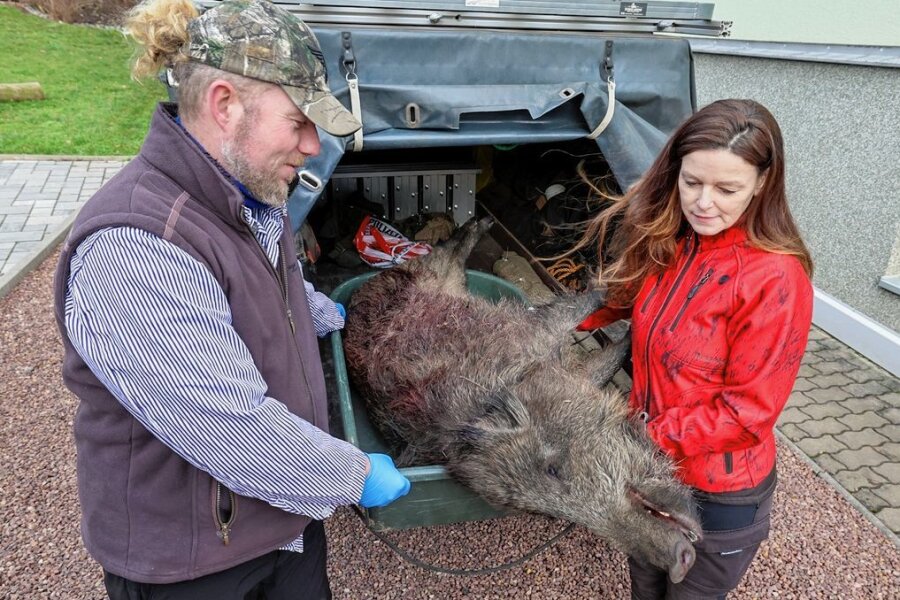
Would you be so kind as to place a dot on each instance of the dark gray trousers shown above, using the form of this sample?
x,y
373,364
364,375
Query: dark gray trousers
x,y
734,525
278,575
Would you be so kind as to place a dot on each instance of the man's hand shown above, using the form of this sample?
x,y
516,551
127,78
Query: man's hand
x,y
384,483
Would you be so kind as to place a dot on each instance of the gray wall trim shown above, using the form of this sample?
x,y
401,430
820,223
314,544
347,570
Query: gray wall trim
x,y
869,56
891,283
871,339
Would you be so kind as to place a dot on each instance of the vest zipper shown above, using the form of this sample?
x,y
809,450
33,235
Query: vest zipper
x,y
224,524
284,290
694,246
280,276
691,294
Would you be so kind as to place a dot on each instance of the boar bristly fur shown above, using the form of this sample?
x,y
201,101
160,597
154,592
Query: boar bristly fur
x,y
490,391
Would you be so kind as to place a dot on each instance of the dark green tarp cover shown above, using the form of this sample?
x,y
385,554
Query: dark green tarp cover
x,y
485,87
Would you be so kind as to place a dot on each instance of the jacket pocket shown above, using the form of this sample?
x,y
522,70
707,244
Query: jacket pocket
x,y
699,361
691,293
651,294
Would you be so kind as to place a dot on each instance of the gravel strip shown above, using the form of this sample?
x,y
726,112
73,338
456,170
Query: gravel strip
x,y
820,546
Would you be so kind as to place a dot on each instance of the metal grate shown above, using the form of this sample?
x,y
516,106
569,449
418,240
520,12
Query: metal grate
x,y
404,191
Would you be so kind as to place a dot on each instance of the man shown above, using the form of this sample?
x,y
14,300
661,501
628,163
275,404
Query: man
x,y
204,463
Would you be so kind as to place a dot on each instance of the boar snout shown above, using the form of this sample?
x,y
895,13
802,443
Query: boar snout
x,y
684,523
683,561
677,527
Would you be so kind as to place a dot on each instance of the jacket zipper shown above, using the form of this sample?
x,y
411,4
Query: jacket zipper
x,y
729,462
223,525
694,246
691,294
652,293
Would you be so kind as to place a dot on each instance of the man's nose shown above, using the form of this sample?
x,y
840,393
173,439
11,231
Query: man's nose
x,y
309,141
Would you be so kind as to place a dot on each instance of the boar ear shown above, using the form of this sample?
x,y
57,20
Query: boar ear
x,y
505,408
503,414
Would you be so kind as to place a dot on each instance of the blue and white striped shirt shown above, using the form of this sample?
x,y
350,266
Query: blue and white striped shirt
x,y
154,327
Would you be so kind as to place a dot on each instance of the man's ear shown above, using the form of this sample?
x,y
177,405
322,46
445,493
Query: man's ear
x,y
224,106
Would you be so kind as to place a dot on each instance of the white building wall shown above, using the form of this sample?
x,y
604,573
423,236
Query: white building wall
x,y
841,125
861,23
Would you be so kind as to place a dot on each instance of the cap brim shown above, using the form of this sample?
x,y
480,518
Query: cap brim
x,y
324,110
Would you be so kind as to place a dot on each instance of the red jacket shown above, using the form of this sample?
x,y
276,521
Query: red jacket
x,y
717,341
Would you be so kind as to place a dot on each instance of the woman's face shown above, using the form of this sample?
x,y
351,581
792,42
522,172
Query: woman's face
x,y
715,188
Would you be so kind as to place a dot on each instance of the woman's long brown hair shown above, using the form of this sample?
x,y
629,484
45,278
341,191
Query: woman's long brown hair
x,y
646,221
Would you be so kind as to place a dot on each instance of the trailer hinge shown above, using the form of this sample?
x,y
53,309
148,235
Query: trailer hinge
x,y
349,60
606,67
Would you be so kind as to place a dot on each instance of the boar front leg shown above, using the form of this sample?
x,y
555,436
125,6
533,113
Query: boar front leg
x,y
551,323
447,262
600,365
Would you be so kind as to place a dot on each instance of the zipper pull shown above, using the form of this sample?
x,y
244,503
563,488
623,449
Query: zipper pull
x,y
290,317
703,280
223,533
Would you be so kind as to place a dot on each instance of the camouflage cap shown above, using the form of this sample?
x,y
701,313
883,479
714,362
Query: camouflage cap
x,y
260,40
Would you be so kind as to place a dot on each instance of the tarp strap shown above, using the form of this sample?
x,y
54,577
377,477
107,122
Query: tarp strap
x,y
610,109
356,108
606,72
349,62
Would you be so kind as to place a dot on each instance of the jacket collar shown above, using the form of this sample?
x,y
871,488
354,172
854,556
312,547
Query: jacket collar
x,y
169,149
734,235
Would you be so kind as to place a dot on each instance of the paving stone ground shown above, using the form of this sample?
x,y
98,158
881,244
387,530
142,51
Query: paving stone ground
x,y
843,415
37,196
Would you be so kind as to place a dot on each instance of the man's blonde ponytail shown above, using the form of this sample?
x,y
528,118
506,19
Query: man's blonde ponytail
x,y
160,27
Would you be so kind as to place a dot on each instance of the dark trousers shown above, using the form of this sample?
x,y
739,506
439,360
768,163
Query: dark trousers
x,y
734,525
278,575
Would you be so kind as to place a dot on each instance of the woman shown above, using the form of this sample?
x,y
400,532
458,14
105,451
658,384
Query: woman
x,y
708,263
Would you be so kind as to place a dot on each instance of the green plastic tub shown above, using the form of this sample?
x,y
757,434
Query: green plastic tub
x,y
434,498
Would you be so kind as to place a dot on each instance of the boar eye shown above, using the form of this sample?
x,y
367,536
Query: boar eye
x,y
552,471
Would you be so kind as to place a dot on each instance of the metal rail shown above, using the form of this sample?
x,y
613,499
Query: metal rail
x,y
504,21
588,8
686,18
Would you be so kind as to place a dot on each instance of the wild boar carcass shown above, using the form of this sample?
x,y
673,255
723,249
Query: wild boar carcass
x,y
489,390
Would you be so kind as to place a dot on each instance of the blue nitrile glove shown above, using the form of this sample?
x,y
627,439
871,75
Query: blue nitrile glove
x,y
384,483
341,310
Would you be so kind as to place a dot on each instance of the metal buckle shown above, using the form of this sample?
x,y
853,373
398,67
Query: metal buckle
x,y
309,180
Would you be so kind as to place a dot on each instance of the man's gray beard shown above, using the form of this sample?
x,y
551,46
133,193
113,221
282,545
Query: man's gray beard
x,y
265,187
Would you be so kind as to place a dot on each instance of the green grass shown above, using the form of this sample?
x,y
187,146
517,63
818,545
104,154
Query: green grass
x,y
91,106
